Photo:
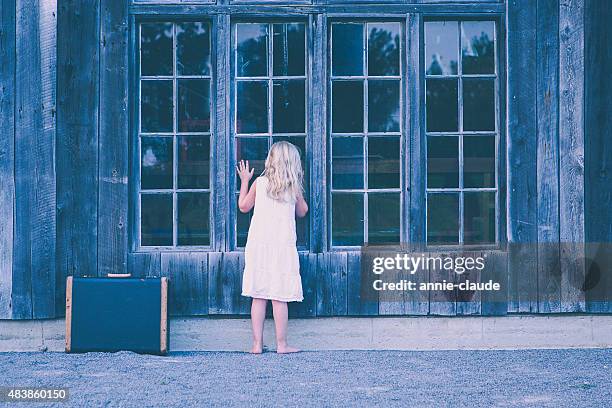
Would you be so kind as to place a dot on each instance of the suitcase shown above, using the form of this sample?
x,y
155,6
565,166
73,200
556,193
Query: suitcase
x,y
117,313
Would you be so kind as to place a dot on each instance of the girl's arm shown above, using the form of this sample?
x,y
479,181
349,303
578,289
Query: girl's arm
x,y
246,200
301,208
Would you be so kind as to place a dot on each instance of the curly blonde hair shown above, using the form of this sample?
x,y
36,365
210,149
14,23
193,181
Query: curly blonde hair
x,y
283,169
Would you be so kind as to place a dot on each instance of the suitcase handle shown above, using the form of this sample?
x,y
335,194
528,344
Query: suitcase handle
x,y
119,275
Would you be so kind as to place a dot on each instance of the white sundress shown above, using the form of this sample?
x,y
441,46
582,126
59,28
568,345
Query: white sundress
x,y
271,263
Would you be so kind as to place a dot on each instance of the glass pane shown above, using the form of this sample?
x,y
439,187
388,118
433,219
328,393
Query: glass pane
x,y
289,49
253,149
193,105
478,104
442,105
383,218
193,162
443,218
193,48
289,114
383,48
347,219
252,106
441,47
383,162
252,41
156,219
156,106
347,106
383,106
479,161
347,49
193,223
479,222
155,163
347,162
243,221
477,47
156,49
442,161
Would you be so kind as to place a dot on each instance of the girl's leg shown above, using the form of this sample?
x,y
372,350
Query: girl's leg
x,y
281,316
258,315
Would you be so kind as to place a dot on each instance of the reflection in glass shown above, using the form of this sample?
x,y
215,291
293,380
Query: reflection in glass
x,y
289,49
193,105
289,106
383,162
347,163
383,105
253,149
193,213
347,49
479,218
243,221
193,48
441,47
443,218
193,162
252,41
477,47
478,161
478,104
156,106
252,107
383,49
156,219
442,161
383,218
156,49
155,163
347,106
442,105
347,219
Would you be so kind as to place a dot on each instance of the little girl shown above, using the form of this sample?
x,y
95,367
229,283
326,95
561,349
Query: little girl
x,y
272,269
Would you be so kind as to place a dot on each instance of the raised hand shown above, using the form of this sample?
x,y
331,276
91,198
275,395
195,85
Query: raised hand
x,y
244,172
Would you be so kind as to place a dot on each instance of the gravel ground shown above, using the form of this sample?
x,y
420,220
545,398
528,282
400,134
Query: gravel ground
x,y
538,378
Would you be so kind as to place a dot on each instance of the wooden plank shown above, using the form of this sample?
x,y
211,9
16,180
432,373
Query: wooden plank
x,y
522,156
188,287
468,301
308,272
361,299
144,264
417,302
113,139
332,284
495,303
549,270
571,154
7,153
441,302
225,284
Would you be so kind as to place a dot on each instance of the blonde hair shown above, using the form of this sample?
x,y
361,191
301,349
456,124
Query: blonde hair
x,y
283,169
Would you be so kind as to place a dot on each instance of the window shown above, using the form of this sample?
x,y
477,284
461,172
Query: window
x,y
174,134
366,129
462,132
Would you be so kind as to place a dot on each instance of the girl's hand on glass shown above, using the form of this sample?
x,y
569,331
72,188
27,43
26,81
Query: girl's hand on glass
x,y
244,172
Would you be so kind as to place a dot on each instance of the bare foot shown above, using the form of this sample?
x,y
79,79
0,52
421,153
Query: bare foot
x,y
256,349
286,350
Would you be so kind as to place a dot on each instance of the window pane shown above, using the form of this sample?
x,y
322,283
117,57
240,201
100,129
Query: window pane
x,y
193,218
477,47
479,161
383,106
252,109
289,49
253,149
441,47
347,163
289,114
193,162
156,49
242,227
347,219
479,213
383,162
347,49
156,106
193,48
383,218
156,219
383,48
478,104
442,161
443,218
442,105
156,163
252,50
193,105
347,106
